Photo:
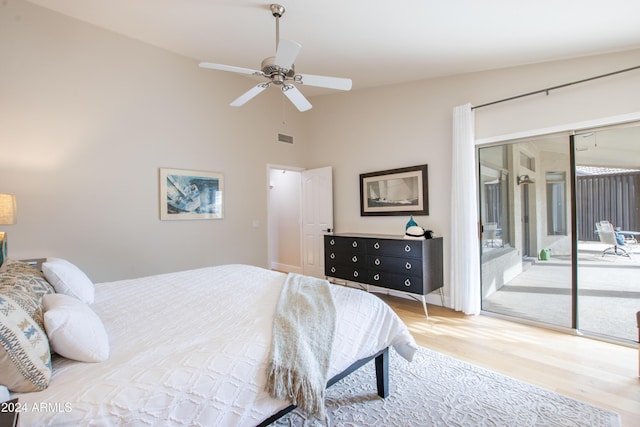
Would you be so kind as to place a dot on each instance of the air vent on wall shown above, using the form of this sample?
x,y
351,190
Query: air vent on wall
x,y
285,138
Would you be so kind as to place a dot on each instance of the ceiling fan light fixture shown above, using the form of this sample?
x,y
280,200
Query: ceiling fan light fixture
x,y
270,69
269,66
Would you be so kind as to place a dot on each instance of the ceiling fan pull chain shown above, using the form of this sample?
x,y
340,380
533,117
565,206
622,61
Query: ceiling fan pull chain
x,y
284,122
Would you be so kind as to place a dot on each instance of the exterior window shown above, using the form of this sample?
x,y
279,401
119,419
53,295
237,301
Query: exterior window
x,y
556,203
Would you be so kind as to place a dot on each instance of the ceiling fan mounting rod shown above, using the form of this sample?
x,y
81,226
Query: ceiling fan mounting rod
x,y
277,11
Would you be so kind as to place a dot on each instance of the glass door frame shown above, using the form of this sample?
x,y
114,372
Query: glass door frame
x,y
523,164
573,202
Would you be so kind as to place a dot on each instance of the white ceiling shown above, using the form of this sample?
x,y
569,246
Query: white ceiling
x,y
370,41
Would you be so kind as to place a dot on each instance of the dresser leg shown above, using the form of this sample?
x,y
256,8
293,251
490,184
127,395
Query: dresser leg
x,y
424,305
442,295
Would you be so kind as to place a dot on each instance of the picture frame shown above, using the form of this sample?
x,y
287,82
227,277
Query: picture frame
x,y
191,194
399,191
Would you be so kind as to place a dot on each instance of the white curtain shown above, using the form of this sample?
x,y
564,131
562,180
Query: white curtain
x,y
465,255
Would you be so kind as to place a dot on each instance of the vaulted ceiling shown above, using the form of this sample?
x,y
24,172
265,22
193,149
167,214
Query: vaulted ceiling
x,y
370,41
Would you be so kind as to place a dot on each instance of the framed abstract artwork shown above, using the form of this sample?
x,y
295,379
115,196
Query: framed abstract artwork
x,y
190,194
395,192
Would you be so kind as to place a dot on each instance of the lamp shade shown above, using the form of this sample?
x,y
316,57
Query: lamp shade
x,y
8,214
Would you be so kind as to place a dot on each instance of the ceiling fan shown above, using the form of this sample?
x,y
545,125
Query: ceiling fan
x,y
279,71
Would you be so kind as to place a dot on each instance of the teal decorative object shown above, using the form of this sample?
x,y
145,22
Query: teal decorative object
x,y
411,223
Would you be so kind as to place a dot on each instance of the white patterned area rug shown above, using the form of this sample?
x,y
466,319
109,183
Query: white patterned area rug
x,y
438,390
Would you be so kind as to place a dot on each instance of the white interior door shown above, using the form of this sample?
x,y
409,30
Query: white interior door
x,y
317,217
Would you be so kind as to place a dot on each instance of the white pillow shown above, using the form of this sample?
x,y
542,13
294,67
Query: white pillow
x,y
74,330
68,279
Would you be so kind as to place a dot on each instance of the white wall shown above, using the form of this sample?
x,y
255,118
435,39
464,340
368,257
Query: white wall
x,y
411,124
87,117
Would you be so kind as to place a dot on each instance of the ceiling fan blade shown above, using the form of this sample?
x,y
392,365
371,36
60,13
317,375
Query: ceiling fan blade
x,y
287,52
229,68
251,93
324,81
296,97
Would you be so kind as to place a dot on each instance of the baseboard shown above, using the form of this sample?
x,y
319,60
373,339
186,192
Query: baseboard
x,y
285,268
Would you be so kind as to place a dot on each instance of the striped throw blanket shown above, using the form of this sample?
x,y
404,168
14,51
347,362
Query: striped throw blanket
x,y
303,331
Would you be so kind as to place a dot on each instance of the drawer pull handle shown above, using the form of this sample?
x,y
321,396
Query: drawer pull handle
x,y
407,282
407,266
355,274
407,248
376,276
332,242
354,259
354,244
377,261
376,245
333,269
332,256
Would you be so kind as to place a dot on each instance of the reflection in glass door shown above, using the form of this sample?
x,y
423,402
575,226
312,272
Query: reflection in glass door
x,y
608,230
526,270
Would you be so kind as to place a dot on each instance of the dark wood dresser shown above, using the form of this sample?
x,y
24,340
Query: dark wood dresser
x,y
413,267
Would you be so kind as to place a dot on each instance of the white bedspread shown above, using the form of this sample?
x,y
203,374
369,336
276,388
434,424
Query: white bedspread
x,y
191,348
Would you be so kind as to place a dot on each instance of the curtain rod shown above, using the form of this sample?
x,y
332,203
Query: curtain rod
x,y
556,87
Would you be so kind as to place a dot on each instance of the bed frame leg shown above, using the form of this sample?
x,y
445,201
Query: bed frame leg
x,y
382,373
382,381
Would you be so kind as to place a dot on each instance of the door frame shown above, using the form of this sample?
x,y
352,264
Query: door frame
x,y
300,269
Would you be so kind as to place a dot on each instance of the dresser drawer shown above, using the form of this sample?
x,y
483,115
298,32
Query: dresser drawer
x,y
344,244
345,257
398,248
345,272
406,266
399,282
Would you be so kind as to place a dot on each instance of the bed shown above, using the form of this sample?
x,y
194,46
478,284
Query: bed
x,y
192,348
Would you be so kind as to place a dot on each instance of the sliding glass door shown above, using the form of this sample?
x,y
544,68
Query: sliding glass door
x,y
526,270
608,229
543,258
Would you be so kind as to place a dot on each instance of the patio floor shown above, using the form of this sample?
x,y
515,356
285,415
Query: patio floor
x,y
608,289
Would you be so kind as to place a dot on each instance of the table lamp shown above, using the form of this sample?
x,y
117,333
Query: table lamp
x,y
7,217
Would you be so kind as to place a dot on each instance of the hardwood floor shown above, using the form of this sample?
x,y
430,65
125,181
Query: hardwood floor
x,y
592,371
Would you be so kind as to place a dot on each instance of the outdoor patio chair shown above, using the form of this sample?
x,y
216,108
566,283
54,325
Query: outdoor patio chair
x,y
607,235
